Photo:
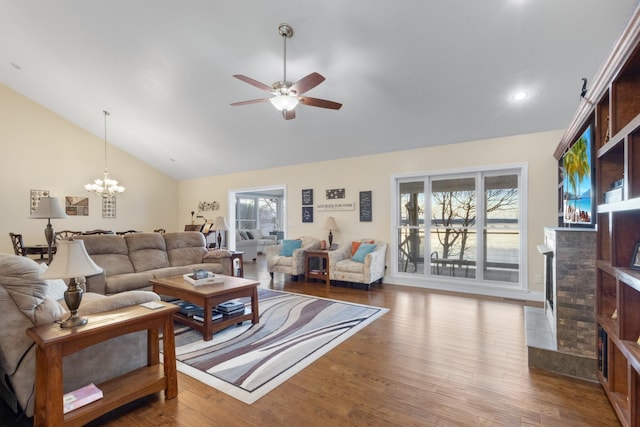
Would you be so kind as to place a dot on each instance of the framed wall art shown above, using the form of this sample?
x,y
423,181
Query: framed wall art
x,y
108,206
76,206
307,214
335,193
35,199
365,206
307,197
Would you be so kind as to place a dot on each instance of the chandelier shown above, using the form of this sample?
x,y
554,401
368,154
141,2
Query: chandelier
x,y
105,186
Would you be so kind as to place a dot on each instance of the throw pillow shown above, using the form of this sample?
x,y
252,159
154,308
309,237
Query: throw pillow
x,y
249,235
288,246
243,234
363,250
356,245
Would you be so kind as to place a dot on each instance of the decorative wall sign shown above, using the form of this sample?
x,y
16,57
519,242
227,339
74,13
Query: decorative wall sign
x,y
336,206
108,206
35,199
76,206
208,206
336,193
307,214
365,206
307,197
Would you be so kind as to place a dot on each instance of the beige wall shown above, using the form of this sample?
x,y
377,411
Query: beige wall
x,y
43,151
375,173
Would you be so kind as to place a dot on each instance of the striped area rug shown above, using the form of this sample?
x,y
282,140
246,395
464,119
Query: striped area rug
x,y
248,361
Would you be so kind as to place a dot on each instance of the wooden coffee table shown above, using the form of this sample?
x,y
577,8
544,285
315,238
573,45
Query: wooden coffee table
x,y
208,296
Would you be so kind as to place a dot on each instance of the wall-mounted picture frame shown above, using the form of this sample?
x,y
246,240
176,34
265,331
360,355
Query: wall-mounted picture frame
x,y
76,206
307,214
366,206
108,206
635,258
35,199
307,197
336,193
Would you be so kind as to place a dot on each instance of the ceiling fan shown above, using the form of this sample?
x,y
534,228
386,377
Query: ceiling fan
x,y
287,95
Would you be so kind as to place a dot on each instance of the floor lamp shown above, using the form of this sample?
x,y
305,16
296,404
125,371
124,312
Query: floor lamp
x,y
48,208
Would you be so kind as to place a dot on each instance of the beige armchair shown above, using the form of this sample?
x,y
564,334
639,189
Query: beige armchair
x,y
343,267
294,264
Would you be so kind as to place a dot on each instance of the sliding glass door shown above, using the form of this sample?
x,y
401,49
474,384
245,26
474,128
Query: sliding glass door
x,y
461,226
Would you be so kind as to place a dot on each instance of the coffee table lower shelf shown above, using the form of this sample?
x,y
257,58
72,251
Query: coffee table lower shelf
x,y
216,326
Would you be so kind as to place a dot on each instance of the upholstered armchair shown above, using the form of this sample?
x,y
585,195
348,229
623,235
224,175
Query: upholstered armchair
x,y
281,260
346,264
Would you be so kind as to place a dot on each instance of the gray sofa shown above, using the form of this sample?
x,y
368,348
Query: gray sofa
x,y
130,261
27,301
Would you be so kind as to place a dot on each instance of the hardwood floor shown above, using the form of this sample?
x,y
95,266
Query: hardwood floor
x,y
434,359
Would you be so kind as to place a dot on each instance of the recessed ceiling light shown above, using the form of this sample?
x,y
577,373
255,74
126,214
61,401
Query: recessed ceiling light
x,y
519,96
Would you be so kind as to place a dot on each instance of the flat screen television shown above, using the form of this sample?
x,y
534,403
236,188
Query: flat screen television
x,y
578,182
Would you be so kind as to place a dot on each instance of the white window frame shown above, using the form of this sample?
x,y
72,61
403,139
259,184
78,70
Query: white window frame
x,y
474,285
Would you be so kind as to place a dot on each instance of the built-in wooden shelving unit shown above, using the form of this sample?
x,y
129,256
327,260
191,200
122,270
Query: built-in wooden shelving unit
x,y
612,106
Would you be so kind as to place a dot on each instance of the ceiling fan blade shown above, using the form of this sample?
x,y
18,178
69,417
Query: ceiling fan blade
x,y
306,83
322,103
289,114
252,101
253,82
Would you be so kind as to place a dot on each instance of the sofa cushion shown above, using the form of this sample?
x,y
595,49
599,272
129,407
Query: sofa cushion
x,y
349,266
288,246
127,282
110,252
363,251
147,251
185,248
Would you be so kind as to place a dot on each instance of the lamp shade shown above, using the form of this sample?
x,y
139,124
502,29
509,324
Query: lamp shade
x,y
330,224
48,207
220,224
71,260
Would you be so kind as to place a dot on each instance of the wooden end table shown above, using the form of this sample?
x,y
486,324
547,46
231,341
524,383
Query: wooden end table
x,y
323,272
208,296
54,342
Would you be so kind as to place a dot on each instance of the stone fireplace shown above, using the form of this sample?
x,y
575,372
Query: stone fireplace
x,y
561,336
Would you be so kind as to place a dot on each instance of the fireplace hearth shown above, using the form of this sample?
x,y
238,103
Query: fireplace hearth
x,y
561,336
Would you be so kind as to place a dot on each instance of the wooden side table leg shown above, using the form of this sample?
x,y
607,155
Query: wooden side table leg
x,y
48,404
153,347
169,347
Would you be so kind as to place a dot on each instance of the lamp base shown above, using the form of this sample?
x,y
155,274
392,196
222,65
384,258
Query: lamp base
x,y
73,297
73,321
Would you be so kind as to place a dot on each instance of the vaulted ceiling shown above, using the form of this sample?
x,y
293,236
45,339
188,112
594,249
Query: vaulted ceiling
x,y
408,73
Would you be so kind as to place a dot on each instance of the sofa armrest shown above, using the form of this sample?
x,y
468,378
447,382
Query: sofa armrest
x,y
116,301
216,254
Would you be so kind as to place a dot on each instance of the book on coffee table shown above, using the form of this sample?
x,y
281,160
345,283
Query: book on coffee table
x,y
215,315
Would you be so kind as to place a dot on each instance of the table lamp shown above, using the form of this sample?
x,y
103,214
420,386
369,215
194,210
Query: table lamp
x,y
72,262
220,225
48,207
330,224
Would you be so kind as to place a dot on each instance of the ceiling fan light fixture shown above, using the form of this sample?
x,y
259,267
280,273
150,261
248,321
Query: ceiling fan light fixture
x,y
284,102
